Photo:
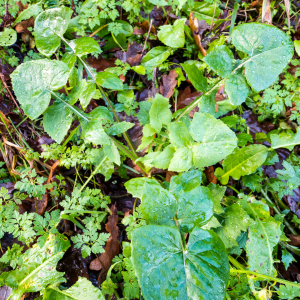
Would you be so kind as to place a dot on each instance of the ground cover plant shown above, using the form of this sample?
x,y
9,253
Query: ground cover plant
x,y
149,149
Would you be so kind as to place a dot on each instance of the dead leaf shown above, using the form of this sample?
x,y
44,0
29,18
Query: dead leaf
x,y
5,291
169,175
96,265
185,97
295,240
23,25
145,26
169,82
100,64
112,247
210,174
266,12
287,7
132,55
197,29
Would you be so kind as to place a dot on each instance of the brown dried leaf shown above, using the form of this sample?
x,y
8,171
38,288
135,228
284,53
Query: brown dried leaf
x,y
210,174
169,82
132,55
266,12
100,64
197,29
145,26
185,97
23,25
287,7
112,247
295,239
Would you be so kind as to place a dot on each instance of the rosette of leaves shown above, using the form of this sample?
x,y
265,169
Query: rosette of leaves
x,y
167,266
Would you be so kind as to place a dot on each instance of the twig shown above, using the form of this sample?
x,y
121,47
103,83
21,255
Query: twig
x,y
5,85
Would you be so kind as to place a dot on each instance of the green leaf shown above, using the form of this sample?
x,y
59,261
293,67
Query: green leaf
x,y
143,114
166,272
287,258
119,128
207,103
112,153
185,181
83,288
297,46
98,156
139,69
87,94
235,220
195,76
135,186
264,235
109,81
243,161
84,45
220,60
38,269
237,89
269,50
288,292
8,37
179,135
76,92
92,129
158,205
216,140
206,11
286,139
218,193
49,28
58,120
182,160
33,82
156,56
160,112
197,203
31,11
173,35
163,159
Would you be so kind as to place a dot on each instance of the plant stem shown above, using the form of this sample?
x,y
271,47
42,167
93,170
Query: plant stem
x,y
265,277
286,223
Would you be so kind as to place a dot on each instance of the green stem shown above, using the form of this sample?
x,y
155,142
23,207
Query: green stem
x,y
286,223
265,277
92,174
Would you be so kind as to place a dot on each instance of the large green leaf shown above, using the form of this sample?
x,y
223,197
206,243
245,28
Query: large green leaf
x,y
195,76
49,27
182,160
173,35
237,89
166,272
269,50
242,162
206,11
156,56
33,82
135,186
179,135
82,289
8,37
38,268
160,113
215,139
84,45
220,60
286,139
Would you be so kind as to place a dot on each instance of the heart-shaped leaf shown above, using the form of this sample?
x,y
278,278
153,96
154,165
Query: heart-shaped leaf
x,y
33,82
269,50
166,271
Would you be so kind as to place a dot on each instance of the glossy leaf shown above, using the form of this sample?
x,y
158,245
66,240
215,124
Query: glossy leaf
x,y
173,35
166,272
156,56
269,50
243,161
38,268
109,81
237,89
49,27
83,288
218,193
33,82
215,139
287,139
8,37
221,61
135,186
119,128
195,76
163,159
87,94
182,160
160,113
58,120
179,135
